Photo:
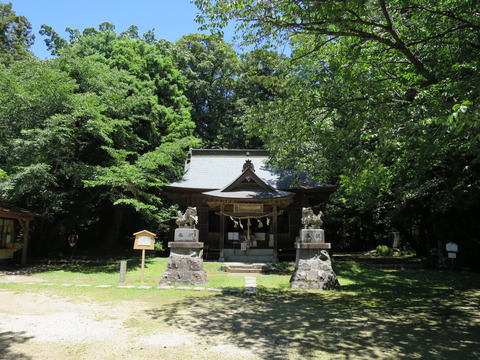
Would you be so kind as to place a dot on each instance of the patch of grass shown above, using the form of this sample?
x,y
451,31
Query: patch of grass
x,y
213,267
225,281
280,282
371,286
106,273
93,274
361,285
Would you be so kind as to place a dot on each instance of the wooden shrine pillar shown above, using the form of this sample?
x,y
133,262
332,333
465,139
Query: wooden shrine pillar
x,y
221,245
275,232
25,223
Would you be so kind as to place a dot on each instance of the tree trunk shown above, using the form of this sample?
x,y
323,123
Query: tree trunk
x,y
114,231
422,235
418,243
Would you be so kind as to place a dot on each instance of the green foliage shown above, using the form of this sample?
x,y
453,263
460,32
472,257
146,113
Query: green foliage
x,y
15,35
94,131
159,246
54,43
382,100
107,122
384,250
211,67
378,98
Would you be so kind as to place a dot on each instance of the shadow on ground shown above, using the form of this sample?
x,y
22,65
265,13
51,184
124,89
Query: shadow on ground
x,y
8,340
384,315
279,325
81,265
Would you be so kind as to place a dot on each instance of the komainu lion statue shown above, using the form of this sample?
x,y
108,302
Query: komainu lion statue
x,y
310,220
189,219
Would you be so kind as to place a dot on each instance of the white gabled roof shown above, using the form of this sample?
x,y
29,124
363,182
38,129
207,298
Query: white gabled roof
x,y
215,169
209,170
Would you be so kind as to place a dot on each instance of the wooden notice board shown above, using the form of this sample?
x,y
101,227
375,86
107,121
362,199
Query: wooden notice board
x,y
144,240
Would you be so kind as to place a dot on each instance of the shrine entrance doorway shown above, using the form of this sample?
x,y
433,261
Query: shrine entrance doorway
x,y
249,239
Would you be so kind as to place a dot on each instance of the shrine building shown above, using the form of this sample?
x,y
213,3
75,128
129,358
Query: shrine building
x,y
9,241
247,211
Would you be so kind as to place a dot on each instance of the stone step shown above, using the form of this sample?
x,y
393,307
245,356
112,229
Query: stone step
x,y
250,258
244,271
240,267
249,252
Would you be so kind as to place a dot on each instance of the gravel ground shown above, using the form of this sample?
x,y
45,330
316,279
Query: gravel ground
x,y
34,324
40,326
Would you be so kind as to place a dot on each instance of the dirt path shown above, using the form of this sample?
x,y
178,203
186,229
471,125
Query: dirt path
x,y
39,326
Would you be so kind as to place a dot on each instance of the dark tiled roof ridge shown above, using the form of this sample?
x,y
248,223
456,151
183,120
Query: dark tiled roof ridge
x,y
232,152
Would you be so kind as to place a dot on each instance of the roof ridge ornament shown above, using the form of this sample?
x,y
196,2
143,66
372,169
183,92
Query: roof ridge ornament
x,y
248,165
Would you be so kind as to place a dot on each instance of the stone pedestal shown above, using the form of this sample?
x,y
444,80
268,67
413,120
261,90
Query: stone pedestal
x,y
186,235
185,264
315,236
313,267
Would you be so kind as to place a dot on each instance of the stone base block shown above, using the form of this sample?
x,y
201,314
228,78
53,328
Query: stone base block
x,y
313,270
312,246
312,236
182,234
186,248
184,269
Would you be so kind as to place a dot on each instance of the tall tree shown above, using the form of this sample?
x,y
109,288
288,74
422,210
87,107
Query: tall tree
x,y
212,68
15,35
104,136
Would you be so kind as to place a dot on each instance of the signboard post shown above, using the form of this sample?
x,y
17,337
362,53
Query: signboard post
x,y
452,250
144,240
123,270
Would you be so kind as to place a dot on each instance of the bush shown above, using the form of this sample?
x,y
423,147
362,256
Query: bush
x,y
158,246
384,250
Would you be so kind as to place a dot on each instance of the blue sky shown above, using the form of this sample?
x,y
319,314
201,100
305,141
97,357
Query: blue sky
x,y
170,18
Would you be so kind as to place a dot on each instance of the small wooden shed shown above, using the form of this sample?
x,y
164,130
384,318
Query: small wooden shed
x,y
8,239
